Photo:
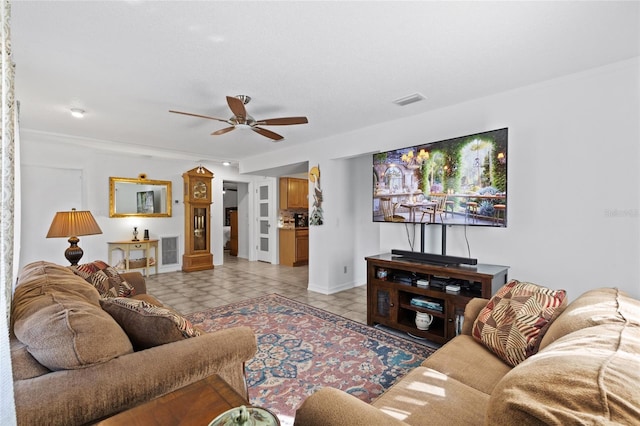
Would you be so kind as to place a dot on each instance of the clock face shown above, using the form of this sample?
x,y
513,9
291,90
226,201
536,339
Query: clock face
x,y
200,190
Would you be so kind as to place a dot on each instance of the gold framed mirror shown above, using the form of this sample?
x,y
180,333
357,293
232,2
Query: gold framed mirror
x,y
139,197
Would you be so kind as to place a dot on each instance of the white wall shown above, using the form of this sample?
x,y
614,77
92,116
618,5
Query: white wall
x,y
42,153
336,235
574,203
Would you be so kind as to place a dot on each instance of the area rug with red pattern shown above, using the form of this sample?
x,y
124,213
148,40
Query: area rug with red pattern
x,y
302,348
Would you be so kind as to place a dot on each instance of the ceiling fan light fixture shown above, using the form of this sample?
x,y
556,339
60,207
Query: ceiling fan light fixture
x,y
244,98
410,99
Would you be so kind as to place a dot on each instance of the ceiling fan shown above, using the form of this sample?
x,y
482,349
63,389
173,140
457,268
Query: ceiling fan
x,y
241,119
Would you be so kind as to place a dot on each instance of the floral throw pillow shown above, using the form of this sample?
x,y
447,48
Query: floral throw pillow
x,y
104,278
516,318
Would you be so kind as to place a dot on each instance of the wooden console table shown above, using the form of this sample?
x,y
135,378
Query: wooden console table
x,y
128,246
195,404
392,283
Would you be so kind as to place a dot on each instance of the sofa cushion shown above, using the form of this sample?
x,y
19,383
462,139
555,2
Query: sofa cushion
x,y
589,376
104,278
464,369
516,318
427,397
56,314
23,364
148,325
594,307
148,298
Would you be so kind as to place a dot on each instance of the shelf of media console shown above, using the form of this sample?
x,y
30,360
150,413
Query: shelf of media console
x,y
437,292
410,307
435,332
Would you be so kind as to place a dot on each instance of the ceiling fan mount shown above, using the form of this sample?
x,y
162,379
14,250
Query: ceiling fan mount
x,y
242,119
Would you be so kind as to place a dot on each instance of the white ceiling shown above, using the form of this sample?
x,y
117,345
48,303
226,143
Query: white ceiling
x,y
341,64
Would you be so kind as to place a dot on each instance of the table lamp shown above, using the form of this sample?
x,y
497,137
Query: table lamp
x,y
70,225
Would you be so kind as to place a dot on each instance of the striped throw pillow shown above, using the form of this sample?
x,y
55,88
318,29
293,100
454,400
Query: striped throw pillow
x,y
516,318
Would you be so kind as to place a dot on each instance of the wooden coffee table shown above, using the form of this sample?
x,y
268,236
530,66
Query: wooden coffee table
x,y
196,404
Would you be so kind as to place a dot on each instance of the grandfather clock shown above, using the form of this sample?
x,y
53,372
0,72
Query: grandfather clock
x,y
197,220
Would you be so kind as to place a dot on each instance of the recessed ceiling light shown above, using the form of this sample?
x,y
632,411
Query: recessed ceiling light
x,y
226,163
409,99
77,112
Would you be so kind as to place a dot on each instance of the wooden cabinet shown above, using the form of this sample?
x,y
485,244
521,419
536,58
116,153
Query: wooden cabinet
x,y
382,304
294,246
302,246
392,285
294,193
233,233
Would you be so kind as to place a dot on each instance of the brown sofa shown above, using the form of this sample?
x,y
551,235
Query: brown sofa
x,y
586,372
74,364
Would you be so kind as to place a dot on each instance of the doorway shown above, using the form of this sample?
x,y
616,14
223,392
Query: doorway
x,y
235,198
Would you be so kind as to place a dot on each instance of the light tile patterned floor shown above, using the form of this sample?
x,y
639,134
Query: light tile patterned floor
x,y
239,279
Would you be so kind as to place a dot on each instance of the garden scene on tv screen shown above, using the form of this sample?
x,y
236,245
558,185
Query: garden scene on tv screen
x,y
460,181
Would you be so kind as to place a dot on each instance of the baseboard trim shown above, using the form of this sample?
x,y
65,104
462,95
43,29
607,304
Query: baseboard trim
x,y
323,290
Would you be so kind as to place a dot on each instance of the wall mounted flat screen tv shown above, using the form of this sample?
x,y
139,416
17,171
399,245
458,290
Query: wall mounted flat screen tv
x,y
459,181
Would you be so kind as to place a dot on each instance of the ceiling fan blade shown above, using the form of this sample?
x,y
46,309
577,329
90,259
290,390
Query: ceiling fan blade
x,y
238,109
282,121
268,133
198,115
223,131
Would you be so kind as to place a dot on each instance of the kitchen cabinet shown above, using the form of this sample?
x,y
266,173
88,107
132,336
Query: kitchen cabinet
x,y
294,193
294,246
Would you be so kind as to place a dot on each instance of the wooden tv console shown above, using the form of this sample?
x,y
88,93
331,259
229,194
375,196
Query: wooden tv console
x,y
392,282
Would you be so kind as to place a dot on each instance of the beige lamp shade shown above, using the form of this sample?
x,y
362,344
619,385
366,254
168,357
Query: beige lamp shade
x,y
71,224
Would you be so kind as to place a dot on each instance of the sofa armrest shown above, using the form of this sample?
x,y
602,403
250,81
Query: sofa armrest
x,y
86,395
471,312
329,406
135,279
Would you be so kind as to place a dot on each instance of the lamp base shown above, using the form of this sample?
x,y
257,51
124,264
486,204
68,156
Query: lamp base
x,y
73,253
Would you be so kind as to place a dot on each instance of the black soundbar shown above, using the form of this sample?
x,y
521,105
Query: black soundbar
x,y
439,259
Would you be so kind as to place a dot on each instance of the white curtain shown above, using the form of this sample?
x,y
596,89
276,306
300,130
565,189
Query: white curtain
x,y
7,213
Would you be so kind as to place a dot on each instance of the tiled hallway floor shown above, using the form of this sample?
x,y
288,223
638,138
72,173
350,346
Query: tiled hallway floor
x,y
238,279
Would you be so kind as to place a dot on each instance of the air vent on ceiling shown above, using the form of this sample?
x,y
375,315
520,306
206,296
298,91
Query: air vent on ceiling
x,y
406,100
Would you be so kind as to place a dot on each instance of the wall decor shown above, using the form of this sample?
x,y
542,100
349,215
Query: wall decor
x,y
139,197
145,202
316,217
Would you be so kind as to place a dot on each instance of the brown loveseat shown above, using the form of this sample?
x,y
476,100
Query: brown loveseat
x,y
586,372
74,364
